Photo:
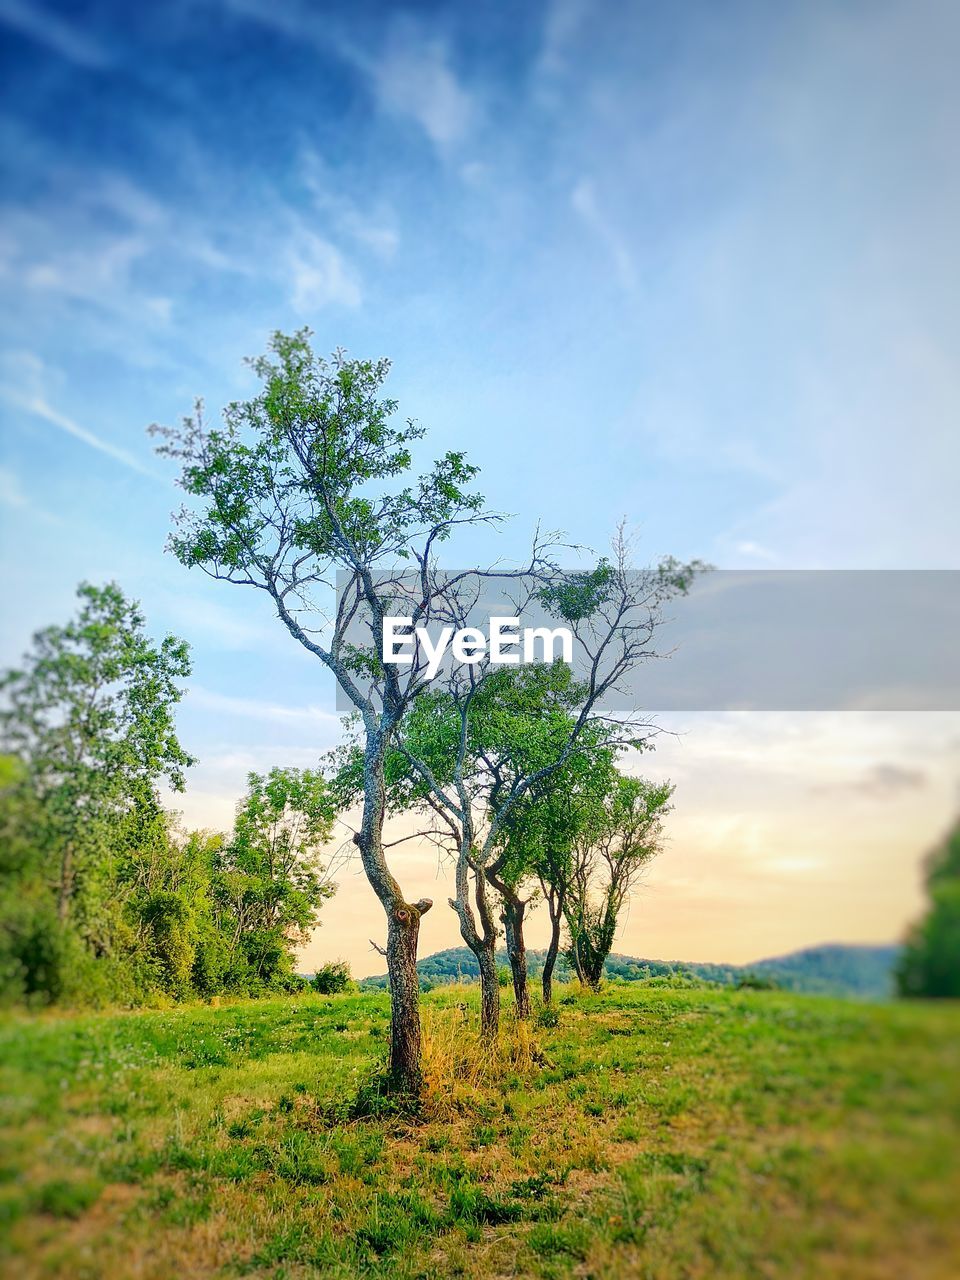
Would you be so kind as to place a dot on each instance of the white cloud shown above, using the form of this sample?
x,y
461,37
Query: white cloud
x,y
54,33
584,201
755,550
228,629
561,25
59,248
372,231
885,780
34,402
41,409
319,275
475,173
286,18
257,709
11,494
757,755
89,273
412,78
119,194
162,308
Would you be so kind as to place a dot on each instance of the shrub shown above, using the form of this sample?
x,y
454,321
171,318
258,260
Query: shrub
x,y
293,984
756,982
332,978
169,921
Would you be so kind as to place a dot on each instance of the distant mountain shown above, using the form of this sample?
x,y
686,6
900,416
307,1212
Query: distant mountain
x,y
864,972
835,970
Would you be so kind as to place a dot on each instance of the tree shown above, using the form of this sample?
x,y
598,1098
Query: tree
x,y
32,961
166,880
102,897
300,484
501,761
307,480
89,721
269,881
531,745
513,741
531,730
609,856
538,844
930,962
466,755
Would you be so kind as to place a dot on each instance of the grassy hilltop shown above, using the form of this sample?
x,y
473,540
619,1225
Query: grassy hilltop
x,y
665,1133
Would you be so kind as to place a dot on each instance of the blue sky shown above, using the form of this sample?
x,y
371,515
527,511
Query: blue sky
x,y
694,265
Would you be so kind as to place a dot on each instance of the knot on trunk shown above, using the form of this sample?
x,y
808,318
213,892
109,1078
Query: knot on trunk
x,y
356,837
406,912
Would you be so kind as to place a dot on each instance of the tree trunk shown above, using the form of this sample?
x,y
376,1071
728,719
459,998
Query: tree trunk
x,y
577,961
514,908
489,989
481,942
403,928
487,959
553,950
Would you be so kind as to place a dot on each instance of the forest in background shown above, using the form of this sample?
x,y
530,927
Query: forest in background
x,y
866,972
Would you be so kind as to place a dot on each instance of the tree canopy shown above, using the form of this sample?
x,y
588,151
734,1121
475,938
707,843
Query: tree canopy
x,y
102,896
930,962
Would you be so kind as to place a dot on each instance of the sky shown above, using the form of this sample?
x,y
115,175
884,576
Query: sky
x,y
690,265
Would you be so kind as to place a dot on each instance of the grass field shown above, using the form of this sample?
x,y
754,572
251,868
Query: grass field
x,y
667,1133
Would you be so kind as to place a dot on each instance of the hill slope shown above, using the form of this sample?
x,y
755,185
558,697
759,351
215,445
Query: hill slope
x,y
840,970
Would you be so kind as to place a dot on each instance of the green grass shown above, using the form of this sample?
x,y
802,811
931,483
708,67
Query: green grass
x,y
668,1134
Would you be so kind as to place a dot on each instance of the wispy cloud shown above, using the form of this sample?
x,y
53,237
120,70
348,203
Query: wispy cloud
x,y
54,33
884,781
258,709
562,22
320,275
411,75
755,551
372,231
36,405
233,627
809,749
284,17
14,497
113,246
11,494
413,78
584,200
57,250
